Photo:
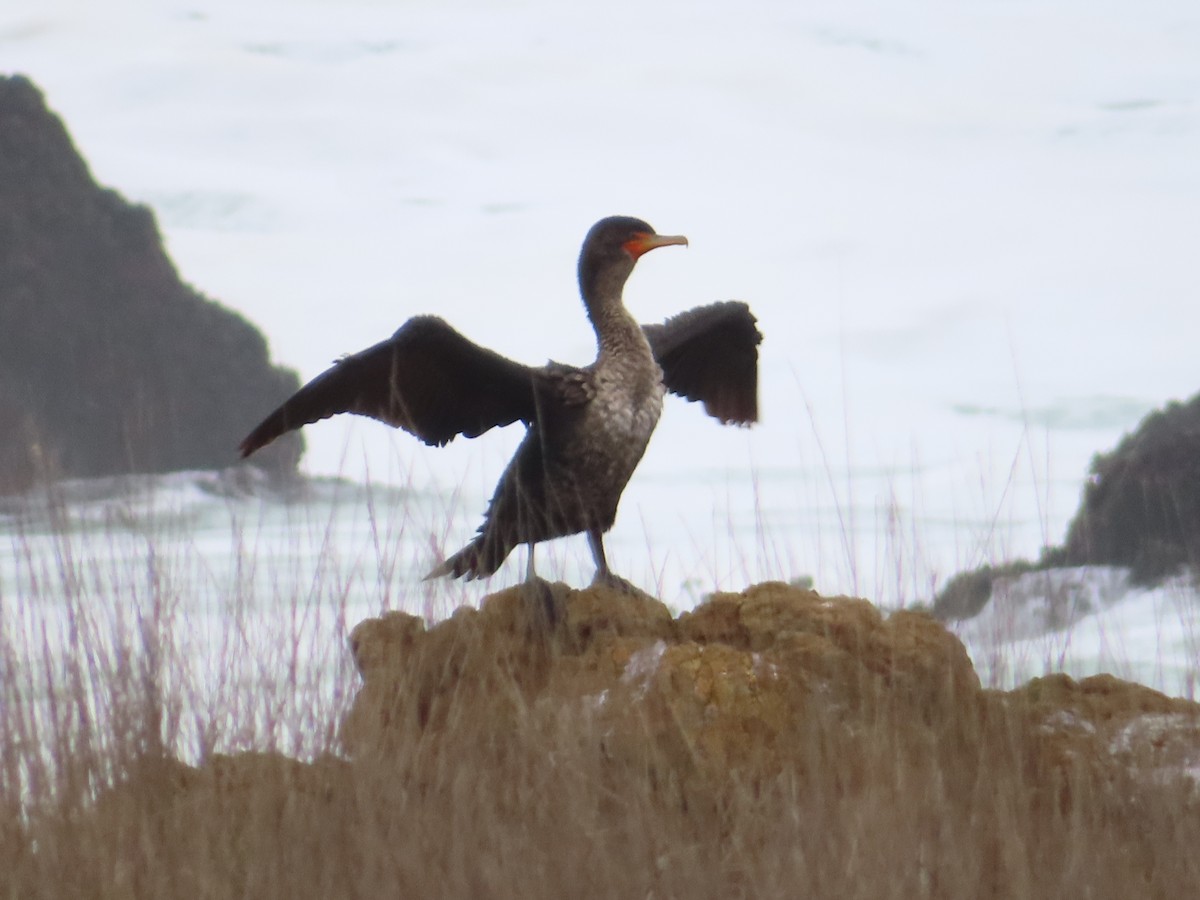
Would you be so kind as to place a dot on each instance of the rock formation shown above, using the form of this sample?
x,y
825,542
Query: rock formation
x,y
109,364
1141,507
742,685
769,743
1140,511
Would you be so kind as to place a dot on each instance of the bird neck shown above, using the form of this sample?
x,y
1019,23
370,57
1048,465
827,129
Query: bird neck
x,y
616,330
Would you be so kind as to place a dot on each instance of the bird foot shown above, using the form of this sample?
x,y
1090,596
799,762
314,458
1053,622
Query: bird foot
x,y
616,583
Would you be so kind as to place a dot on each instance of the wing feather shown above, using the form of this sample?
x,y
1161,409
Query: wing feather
x,y
426,378
710,354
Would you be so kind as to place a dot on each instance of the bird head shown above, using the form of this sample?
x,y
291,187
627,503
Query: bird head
x,y
611,248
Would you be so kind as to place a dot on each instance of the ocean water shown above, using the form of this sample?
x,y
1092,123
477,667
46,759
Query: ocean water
x,y
968,231
234,604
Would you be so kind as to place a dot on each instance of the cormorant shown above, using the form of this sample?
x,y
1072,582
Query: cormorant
x,y
587,427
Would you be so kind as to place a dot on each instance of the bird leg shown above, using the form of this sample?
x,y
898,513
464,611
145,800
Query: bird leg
x,y
539,592
603,575
530,574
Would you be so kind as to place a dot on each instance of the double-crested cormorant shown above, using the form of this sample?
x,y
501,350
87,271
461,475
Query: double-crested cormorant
x,y
587,427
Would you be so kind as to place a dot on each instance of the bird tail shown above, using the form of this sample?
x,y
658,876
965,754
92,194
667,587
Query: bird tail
x,y
469,562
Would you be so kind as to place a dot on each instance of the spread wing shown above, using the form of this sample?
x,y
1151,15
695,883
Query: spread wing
x,y
710,354
426,378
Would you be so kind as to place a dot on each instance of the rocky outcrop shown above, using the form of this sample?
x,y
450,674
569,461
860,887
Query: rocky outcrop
x,y
1141,506
771,742
109,364
1140,512
740,686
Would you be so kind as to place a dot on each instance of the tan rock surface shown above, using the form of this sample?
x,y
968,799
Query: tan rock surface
x,y
738,686
768,743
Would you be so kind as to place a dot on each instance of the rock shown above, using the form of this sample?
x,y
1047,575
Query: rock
x,y
482,668
737,688
1140,511
109,364
767,739
1141,507
1102,718
967,593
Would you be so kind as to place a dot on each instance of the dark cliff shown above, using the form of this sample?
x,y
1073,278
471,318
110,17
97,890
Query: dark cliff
x,y
109,364
1141,506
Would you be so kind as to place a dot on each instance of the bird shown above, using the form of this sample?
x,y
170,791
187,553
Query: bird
x,y
587,427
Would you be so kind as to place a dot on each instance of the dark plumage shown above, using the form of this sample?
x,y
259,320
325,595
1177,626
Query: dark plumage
x,y
587,427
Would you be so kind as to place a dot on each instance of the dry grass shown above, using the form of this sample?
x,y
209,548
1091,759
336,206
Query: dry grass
x,y
94,804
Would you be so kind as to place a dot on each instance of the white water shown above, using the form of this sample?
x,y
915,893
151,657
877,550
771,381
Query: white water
x,y
1087,621
259,591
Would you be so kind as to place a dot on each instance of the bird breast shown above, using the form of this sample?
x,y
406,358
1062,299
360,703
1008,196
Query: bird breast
x,y
624,413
